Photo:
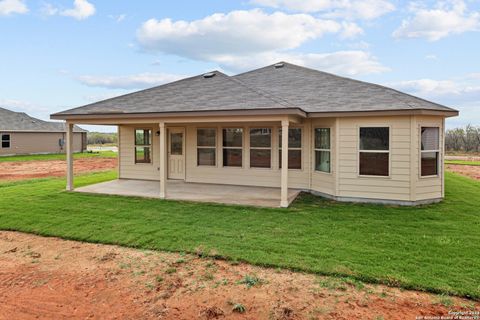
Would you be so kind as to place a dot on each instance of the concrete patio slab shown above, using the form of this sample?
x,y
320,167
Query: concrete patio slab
x,y
201,192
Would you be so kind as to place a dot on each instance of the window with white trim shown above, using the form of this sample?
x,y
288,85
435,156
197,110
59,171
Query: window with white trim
x,y
143,146
322,150
430,150
232,147
294,148
374,151
5,140
260,147
206,146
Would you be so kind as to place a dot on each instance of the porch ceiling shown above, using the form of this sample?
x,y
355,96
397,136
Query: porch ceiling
x,y
201,192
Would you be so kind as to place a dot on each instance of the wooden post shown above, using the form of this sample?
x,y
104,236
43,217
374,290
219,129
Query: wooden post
x,y
284,178
163,160
69,151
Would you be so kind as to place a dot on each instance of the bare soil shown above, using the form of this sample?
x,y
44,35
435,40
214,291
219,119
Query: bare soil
x,y
50,278
469,171
19,170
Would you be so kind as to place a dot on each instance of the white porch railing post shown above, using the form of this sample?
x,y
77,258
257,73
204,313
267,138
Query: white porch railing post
x,y
69,153
284,178
163,160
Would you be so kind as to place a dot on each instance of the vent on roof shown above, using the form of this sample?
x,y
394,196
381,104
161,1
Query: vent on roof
x,y
279,65
209,75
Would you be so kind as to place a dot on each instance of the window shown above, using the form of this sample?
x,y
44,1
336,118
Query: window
x,y
143,145
260,148
176,143
294,148
5,141
430,151
322,149
374,151
232,147
206,146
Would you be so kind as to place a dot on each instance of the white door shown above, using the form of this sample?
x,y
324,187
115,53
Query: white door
x,y
176,153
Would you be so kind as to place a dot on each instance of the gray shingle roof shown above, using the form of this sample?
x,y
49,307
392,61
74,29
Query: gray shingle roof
x,y
19,121
287,87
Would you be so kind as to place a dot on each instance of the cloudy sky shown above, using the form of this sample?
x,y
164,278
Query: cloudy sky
x,y
64,53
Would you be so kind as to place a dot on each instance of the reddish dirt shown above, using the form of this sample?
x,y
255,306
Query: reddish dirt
x,y
50,278
469,171
19,170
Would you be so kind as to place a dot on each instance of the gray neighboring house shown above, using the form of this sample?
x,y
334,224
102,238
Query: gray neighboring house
x,y
22,134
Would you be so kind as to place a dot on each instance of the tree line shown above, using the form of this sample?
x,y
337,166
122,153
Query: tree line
x,y
463,139
101,138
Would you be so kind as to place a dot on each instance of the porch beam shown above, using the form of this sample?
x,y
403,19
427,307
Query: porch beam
x,y
69,153
284,173
163,160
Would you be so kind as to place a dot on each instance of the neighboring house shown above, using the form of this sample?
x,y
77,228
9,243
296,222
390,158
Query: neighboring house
x,y
347,140
22,134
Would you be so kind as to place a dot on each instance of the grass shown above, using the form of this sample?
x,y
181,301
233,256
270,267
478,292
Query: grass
x,y
58,156
463,162
433,248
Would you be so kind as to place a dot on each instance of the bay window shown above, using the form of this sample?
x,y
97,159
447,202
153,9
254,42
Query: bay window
x,y
322,150
430,149
294,148
374,151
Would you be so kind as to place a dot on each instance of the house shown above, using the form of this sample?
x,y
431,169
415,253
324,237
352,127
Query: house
x,y
347,140
22,134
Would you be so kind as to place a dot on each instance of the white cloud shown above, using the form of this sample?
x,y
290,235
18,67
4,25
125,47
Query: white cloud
x,y
118,18
350,9
242,32
445,19
8,7
82,9
48,9
350,30
136,81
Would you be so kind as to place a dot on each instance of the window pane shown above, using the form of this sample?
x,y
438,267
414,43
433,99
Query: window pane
x,y
143,137
374,138
429,163
260,158
142,155
176,143
260,138
322,161
5,144
374,164
430,138
322,138
206,156
5,137
232,137
294,159
206,137
232,157
294,137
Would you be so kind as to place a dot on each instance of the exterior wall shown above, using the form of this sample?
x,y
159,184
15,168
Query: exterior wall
x,y
41,142
403,185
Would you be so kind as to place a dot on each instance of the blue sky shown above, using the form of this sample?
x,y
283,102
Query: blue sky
x,y
66,53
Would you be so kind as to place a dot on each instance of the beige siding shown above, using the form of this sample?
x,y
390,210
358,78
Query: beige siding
x,y
38,142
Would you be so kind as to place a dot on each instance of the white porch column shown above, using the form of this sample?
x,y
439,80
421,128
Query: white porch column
x,y
69,153
163,160
284,179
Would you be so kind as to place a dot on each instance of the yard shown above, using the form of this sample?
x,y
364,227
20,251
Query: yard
x,y
432,248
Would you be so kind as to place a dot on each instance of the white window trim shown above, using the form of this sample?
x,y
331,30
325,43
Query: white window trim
x,y
422,151
261,148
241,148
9,140
302,143
315,149
135,145
375,151
215,146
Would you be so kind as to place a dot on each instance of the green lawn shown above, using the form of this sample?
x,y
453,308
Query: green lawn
x,y
463,162
434,248
59,156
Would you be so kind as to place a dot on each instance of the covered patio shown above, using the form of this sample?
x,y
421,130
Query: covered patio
x,y
201,192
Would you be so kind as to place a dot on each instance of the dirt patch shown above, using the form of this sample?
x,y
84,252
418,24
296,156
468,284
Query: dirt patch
x,y
469,171
19,170
50,278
